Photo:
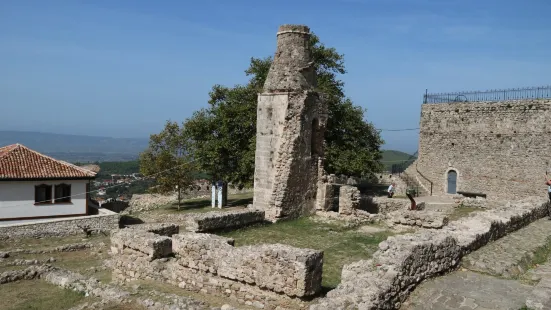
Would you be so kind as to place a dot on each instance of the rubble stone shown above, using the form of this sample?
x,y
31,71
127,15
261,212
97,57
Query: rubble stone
x,y
402,262
424,219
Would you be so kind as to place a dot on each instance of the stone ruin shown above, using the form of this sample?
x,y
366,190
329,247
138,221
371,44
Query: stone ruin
x,y
291,121
265,276
289,182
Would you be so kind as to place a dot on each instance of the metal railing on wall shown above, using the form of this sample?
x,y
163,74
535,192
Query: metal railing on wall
x,y
541,92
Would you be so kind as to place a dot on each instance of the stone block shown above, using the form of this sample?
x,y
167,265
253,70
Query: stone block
x,y
148,244
349,199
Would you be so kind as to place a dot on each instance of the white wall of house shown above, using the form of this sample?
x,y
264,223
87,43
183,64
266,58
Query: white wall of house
x,y
17,199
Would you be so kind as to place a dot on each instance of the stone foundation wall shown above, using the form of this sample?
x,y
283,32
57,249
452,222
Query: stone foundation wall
x,y
276,267
163,229
265,276
425,219
403,262
350,199
105,222
383,205
219,220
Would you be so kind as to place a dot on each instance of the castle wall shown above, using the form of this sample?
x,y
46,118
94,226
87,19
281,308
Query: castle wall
x,y
501,149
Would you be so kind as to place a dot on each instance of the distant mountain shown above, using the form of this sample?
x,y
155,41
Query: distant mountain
x,y
75,148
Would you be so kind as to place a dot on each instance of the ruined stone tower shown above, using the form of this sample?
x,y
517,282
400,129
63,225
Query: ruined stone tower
x,y
291,120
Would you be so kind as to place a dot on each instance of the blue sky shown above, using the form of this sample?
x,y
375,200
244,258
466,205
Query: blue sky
x,y
122,68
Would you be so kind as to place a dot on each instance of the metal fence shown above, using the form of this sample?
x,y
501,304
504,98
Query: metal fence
x,y
542,92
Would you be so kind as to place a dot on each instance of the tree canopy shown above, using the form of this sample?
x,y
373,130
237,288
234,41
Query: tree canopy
x,y
167,159
222,137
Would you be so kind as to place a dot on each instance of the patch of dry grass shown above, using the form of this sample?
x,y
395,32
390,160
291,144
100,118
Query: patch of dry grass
x,y
37,295
341,245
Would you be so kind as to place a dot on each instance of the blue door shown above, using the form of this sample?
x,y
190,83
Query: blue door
x,y
452,182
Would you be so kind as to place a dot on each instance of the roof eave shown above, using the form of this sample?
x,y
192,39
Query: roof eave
x,y
47,179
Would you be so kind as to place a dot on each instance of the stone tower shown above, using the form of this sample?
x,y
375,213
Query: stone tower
x,y
291,121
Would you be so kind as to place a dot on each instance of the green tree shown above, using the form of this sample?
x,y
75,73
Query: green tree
x,y
223,136
167,159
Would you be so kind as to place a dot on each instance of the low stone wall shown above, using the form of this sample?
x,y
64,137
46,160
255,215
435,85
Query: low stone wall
x,y
383,205
102,223
163,229
265,276
350,199
276,267
425,219
402,262
477,202
149,244
219,220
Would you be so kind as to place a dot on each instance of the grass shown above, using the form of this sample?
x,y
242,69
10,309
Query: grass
x,y
78,261
341,245
31,295
50,242
203,205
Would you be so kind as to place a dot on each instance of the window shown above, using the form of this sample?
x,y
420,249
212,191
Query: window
x,y
314,143
43,194
62,193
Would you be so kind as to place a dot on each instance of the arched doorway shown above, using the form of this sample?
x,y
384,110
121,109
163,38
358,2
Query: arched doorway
x,y
452,182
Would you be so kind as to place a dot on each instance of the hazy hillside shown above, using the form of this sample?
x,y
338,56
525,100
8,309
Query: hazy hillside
x,y
76,147
391,157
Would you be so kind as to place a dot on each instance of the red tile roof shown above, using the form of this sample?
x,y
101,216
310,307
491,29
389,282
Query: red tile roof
x,y
20,162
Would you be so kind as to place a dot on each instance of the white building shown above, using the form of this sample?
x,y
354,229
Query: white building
x,y
34,186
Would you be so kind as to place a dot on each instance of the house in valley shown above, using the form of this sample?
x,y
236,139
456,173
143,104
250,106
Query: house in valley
x,y
33,185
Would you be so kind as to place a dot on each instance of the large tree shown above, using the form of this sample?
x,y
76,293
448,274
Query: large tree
x,y
222,136
167,159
